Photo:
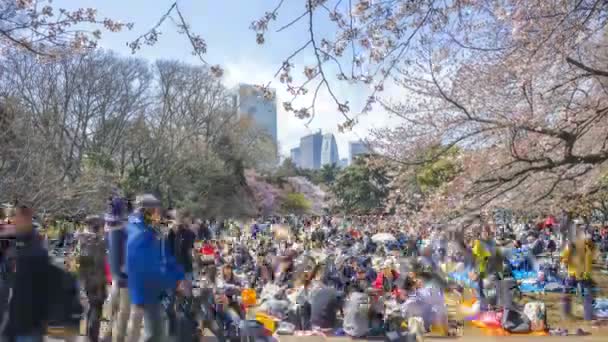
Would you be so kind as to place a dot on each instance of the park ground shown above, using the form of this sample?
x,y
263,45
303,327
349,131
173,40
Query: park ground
x,y
598,329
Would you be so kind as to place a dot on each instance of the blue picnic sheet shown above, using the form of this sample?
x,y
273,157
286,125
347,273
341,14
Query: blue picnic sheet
x,y
462,278
522,274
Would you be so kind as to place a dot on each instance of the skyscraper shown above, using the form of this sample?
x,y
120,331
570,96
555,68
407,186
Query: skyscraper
x,y
329,150
310,151
295,156
356,148
251,103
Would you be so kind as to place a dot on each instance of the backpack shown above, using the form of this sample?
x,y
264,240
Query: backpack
x,y
356,315
64,304
515,321
551,246
505,290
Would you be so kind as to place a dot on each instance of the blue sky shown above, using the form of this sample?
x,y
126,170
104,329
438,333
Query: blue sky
x,y
225,26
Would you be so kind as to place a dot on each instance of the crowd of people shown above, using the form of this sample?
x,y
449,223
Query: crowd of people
x,y
356,276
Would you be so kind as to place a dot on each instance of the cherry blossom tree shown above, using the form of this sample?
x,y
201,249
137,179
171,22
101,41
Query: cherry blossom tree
x,y
45,30
175,16
519,85
267,197
313,193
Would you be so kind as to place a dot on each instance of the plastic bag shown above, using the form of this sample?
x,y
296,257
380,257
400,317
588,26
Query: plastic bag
x,y
537,314
286,328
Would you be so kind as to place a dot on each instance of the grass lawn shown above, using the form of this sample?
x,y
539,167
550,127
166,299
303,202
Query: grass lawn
x,y
553,305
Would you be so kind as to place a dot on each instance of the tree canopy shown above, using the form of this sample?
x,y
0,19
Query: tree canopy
x,y
361,187
82,124
518,86
296,203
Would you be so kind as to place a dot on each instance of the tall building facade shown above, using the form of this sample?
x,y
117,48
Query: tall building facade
x,y
329,150
356,148
310,151
251,103
295,156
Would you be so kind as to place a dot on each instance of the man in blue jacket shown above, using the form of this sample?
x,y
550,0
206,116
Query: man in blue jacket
x,y
150,269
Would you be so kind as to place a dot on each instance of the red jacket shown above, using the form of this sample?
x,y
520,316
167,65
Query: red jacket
x,y
108,273
380,280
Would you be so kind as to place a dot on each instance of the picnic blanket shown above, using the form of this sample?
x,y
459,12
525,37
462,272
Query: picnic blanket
x,y
529,282
462,277
600,308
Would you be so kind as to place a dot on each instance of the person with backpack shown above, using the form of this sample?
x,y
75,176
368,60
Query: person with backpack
x,y
325,303
119,296
151,270
179,244
91,252
184,243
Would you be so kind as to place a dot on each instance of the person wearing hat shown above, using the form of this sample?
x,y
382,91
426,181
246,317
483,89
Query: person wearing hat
x,y
91,251
151,270
116,237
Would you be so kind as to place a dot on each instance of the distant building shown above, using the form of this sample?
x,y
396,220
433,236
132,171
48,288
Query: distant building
x,y
356,148
329,150
251,103
310,151
295,156
343,163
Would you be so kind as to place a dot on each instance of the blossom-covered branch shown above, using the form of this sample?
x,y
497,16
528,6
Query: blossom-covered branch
x,y
44,30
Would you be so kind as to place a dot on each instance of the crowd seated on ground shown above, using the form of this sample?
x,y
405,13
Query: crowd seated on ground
x,y
355,276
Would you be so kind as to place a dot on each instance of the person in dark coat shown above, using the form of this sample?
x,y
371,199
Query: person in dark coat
x,y
203,232
28,306
183,243
91,252
116,239
325,302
